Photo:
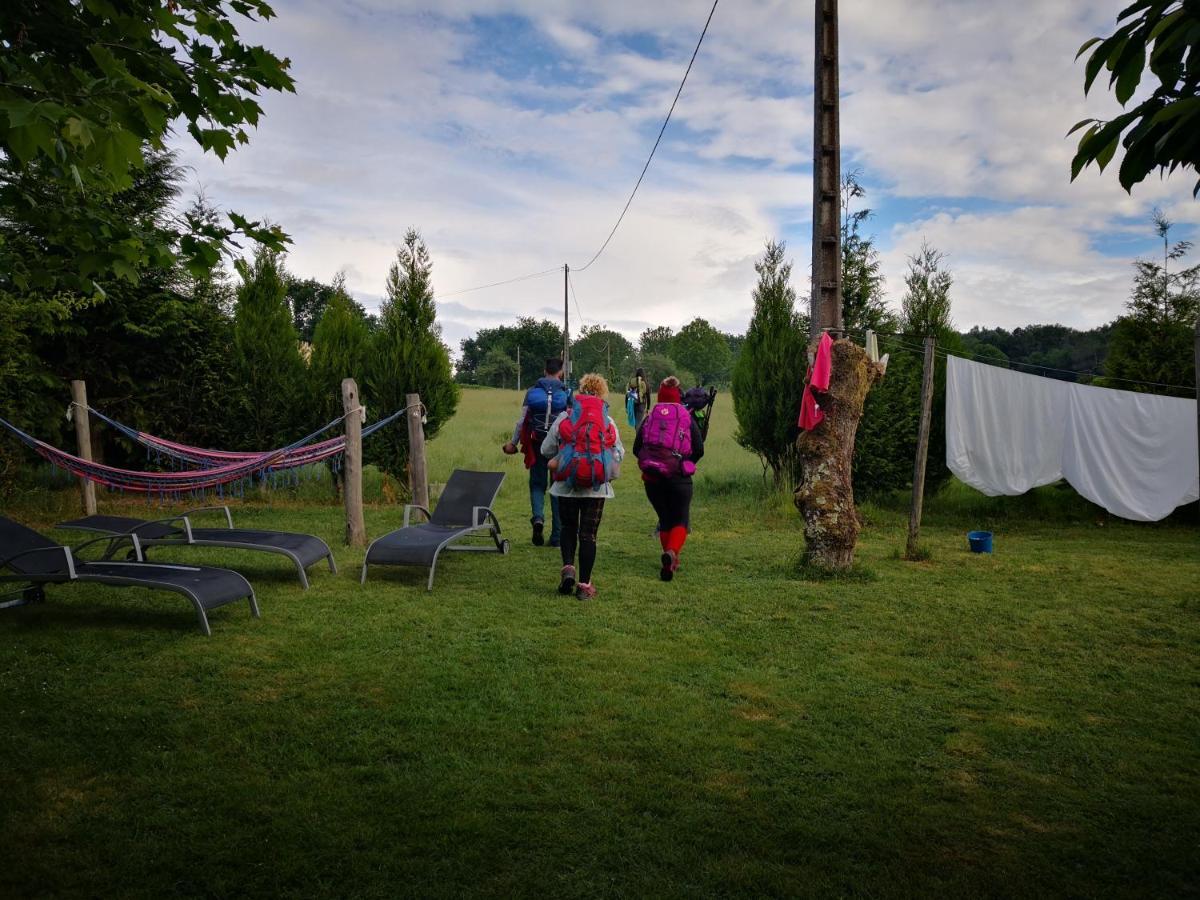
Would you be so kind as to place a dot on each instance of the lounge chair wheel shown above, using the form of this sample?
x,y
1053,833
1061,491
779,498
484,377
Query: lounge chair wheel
x,y
505,547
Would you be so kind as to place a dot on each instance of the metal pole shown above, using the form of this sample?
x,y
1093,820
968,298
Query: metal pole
x,y
356,529
918,488
566,324
83,439
518,367
825,304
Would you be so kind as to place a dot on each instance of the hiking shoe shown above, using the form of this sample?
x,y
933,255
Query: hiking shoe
x,y
554,542
538,528
584,591
567,583
670,562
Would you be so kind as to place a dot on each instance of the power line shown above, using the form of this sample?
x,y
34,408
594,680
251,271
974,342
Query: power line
x,y
633,193
499,283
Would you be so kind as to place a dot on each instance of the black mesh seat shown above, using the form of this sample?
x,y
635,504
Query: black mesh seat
x,y
464,510
302,549
37,560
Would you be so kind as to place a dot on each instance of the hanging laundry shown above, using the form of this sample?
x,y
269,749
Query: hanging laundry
x,y
819,374
1007,432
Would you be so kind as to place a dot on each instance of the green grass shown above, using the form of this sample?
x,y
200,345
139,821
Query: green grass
x,y
1020,723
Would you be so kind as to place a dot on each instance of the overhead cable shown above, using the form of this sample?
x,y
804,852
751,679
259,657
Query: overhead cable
x,y
658,140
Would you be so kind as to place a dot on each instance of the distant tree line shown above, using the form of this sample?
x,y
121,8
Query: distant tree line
x,y
698,353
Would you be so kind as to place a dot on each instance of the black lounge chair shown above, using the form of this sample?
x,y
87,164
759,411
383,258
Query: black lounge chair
x,y
464,510
302,549
37,561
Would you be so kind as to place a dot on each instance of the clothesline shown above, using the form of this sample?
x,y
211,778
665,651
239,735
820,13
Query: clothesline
x,y
894,337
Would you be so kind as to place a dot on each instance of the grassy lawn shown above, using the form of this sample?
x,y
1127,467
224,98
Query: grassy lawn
x,y
1021,723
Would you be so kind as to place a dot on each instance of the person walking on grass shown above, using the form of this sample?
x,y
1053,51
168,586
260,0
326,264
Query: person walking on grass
x,y
667,447
585,450
640,389
543,403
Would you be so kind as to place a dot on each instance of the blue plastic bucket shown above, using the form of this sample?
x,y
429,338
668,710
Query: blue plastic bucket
x,y
980,541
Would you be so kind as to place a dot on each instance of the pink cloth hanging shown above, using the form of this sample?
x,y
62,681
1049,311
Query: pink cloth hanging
x,y
819,374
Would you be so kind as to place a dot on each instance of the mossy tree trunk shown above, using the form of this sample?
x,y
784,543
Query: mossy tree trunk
x,y
825,496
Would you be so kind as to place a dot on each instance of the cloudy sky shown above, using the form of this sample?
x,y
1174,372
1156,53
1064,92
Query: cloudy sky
x,y
511,132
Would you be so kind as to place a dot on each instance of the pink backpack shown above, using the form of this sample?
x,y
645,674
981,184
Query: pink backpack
x,y
667,442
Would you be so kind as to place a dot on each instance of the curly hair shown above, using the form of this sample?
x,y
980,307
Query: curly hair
x,y
593,384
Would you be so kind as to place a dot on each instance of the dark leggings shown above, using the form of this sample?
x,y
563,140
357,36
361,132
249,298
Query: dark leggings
x,y
672,500
580,523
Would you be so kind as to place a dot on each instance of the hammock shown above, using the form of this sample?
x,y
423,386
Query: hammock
x,y
206,458
220,467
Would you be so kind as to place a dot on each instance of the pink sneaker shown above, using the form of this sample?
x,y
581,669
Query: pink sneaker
x,y
584,591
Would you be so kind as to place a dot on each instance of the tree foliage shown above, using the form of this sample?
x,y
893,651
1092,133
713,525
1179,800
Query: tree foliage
x,y
768,380
408,356
1154,341
267,362
702,350
340,342
1163,130
538,341
863,303
656,341
600,349
86,88
925,307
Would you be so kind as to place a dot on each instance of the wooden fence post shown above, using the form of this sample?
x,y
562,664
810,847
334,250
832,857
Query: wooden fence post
x,y
83,437
356,529
918,488
418,474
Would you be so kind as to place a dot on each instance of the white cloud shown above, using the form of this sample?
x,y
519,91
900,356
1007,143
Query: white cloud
x,y
400,120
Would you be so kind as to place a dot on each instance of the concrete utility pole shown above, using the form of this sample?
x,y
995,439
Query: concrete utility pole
x,y
566,323
825,309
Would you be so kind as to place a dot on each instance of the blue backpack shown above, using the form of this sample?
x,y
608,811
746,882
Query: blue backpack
x,y
545,400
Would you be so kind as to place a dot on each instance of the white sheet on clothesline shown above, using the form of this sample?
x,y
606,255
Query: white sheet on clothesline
x,y
1007,432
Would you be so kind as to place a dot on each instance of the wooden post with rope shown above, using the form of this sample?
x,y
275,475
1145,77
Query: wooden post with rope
x,y
911,550
356,529
418,473
83,438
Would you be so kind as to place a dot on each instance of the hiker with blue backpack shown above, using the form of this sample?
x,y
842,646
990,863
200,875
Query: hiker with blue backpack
x,y
667,447
585,452
544,402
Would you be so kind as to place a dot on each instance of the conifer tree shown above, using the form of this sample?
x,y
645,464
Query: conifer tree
x,y
341,340
267,361
407,356
769,377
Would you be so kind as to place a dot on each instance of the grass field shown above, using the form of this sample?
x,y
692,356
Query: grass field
x,y
1015,724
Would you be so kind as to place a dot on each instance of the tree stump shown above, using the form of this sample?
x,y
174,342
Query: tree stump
x,y
825,496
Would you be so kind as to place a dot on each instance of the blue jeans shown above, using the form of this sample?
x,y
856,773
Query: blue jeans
x,y
539,479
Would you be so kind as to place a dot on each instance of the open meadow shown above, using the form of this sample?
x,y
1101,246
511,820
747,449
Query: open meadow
x,y
1013,724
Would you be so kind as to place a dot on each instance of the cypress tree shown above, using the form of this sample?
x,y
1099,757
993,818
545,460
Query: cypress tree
x,y
267,360
341,340
407,356
768,379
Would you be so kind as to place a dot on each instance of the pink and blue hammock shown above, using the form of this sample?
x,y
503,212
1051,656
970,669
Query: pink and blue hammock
x,y
201,470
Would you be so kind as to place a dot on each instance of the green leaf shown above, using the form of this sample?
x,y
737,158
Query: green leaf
x,y
1088,43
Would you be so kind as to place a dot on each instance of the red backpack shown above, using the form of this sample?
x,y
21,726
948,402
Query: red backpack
x,y
586,441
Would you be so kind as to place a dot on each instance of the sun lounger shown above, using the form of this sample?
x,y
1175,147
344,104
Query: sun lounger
x,y
36,560
302,549
464,510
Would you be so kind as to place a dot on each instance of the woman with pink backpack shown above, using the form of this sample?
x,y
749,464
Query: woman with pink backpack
x,y
668,446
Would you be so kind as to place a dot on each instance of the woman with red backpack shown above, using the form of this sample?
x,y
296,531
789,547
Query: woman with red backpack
x,y
668,446
585,451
